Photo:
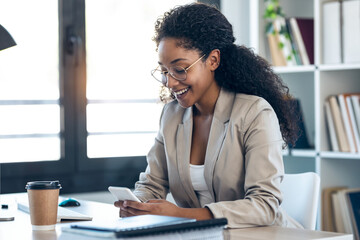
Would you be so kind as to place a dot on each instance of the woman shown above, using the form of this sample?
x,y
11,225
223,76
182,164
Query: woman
x,y
218,150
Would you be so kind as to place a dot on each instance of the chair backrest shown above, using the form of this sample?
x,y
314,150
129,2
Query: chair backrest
x,y
301,197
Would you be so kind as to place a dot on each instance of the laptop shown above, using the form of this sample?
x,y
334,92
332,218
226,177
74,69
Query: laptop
x,y
64,214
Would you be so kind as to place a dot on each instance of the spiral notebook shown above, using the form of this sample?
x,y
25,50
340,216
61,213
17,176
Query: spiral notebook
x,y
150,226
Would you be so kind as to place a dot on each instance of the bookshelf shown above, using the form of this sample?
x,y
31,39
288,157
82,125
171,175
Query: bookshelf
x,y
312,84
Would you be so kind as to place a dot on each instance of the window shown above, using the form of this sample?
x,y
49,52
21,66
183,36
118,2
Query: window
x,y
29,83
123,106
77,101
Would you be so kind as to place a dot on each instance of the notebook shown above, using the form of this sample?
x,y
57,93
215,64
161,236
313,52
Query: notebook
x,y
63,213
151,226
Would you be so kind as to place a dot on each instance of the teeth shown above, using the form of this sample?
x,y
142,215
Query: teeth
x,y
182,91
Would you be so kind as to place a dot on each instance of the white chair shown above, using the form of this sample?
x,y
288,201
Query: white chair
x,y
301,197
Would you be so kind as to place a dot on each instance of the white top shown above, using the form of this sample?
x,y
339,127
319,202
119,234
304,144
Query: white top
x,y
199,184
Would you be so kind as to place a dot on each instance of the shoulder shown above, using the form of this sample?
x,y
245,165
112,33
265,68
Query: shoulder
x,y
251,103
248,108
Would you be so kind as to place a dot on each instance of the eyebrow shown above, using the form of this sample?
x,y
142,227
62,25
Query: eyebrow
x,y
174,61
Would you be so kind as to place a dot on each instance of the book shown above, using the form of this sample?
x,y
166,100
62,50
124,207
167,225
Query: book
x,y
353,124
356,107
331,33
152,226
346,120
298,39
294,45
345,215
353,200
338,224
277,57
302,142
331,128
337,209
339,125
306,27
351,31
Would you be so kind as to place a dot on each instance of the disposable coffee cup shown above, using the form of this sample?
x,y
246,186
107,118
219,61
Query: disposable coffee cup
x,y
43,203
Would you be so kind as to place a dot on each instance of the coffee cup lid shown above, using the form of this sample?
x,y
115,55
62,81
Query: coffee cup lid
x,y
43,185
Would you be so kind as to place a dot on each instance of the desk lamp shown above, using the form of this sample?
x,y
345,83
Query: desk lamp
x,y
6,41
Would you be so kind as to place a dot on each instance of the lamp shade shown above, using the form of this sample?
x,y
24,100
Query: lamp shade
x,y
6,40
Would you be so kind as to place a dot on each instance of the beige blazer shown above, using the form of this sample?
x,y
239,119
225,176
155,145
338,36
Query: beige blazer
x,y
243,162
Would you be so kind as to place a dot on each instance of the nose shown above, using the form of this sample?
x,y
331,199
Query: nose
x,y
171,81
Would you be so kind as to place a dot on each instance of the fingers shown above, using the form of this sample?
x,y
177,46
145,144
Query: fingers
x,y
127,211
124,213
136,205
155,206
131,208
118,204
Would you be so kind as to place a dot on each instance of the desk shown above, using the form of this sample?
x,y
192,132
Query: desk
x,y
20,228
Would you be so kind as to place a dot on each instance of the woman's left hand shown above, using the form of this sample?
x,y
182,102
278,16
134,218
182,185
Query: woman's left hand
x,y
155,207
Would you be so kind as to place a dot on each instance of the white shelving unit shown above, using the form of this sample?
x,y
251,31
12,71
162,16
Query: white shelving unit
x,y
312,85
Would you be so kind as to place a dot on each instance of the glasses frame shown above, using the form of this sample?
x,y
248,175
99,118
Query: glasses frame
x,y
165,73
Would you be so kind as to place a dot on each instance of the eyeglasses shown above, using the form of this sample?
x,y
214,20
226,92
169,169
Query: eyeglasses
x,y
177,72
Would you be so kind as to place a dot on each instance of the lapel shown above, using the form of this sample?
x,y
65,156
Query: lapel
x,y
219,125
183,147
218,129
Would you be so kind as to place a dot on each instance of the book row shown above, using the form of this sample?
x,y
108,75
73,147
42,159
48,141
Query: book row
x,y
342,114
341,210
291,41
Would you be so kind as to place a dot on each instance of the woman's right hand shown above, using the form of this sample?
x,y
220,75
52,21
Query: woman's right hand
x,y
119,204
126,211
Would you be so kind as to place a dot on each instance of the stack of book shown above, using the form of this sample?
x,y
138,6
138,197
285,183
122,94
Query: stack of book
x,y
340,31
341,210
343,122
291,41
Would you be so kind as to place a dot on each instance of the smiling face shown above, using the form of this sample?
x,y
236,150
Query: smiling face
x,y
199,88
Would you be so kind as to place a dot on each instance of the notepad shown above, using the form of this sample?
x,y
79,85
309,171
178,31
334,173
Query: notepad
x,y
152,226
63,213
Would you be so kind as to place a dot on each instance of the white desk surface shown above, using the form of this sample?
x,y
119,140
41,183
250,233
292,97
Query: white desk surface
x,y
20,228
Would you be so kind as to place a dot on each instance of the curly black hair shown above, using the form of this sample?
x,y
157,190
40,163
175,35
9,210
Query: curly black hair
x,y
203,28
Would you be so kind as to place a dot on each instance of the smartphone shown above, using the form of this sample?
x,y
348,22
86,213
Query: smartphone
x,y
123,193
